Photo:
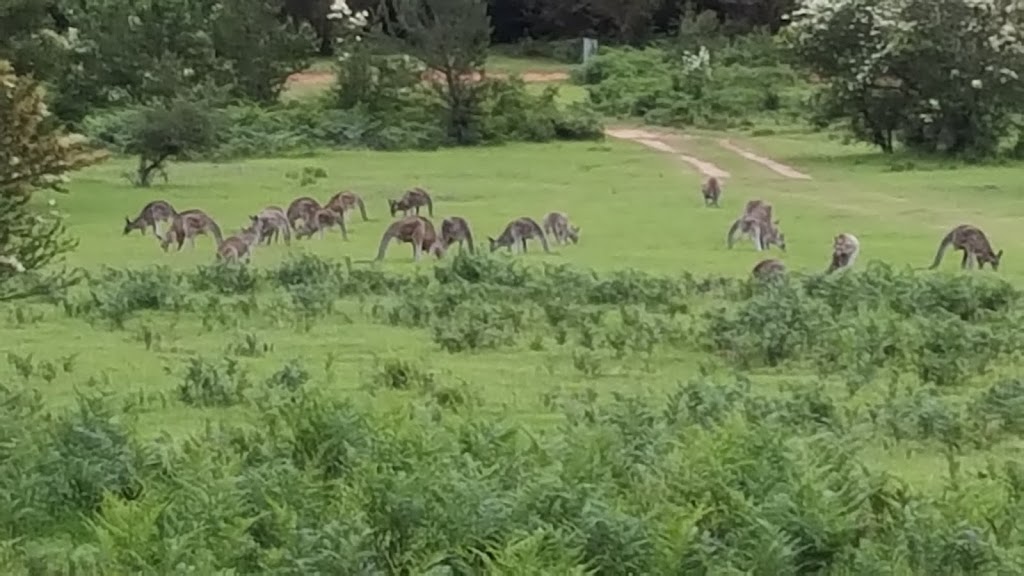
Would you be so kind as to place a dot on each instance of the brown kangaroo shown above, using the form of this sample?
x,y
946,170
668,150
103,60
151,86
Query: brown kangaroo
x,y
189,224
302,208
456,229
845,248
415,230
557,225
768,268
756,221
343,202
517,232
155,211
321,220
240,246
712,191
274,224
412,200
974,244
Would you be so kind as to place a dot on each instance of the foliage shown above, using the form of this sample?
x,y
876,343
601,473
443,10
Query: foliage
x,y
868,52
451,38
178,128
679,87
34,155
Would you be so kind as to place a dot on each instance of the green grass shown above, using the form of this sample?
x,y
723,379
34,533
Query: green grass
x,y
637,208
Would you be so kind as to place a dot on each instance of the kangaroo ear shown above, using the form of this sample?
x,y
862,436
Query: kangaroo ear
x,y
999,255
776,222
127,220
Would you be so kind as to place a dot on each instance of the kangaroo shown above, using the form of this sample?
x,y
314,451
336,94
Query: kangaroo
x,y
189,224
155,211
343,202
756,221
517,232
974,244
412,200
415,230
274,223
769,268
321,220
239,246
456,229
712,191
845,248
302,208
557,225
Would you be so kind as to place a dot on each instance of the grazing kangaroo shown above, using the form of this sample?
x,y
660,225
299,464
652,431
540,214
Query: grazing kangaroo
x,y
456,229
756,221
712,191
557,225
517,232
974,244
321,220
343,202
155,211
302,208
189,224
845,248
769,268
240,246
415,230
274,223
412,200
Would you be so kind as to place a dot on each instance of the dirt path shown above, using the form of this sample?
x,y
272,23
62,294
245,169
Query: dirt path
x,y
768,163
314,79
657,141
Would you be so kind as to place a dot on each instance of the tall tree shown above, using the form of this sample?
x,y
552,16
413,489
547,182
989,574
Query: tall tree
x,y
34,155
451,37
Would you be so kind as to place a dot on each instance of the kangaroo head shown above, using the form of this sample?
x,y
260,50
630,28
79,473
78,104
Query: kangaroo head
x,y
574,234
493,242
393,204
780,238
995,260
127,224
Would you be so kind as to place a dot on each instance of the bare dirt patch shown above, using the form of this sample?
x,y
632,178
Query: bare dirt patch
x,y
313,79
658,141
777,167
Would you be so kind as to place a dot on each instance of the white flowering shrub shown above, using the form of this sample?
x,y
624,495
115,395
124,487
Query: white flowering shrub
x,y
935,75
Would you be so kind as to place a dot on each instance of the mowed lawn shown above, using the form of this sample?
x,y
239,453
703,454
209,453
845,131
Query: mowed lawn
x,y
637,208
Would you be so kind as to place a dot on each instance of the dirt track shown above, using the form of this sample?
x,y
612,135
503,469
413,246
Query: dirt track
x,y
661,140
312,79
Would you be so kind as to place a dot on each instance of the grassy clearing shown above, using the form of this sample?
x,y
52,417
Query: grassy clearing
x,y
637,209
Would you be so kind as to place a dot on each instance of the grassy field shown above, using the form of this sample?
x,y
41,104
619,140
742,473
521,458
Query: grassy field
x,y
637,208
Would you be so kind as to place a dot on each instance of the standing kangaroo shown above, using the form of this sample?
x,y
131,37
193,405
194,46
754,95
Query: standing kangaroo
x,y
974,244
456,229
415,230
557,225
189,224
756,221
412,200
274,223
769,268
343,202
712,191
845,248
155,211
240,246
517,232
302,208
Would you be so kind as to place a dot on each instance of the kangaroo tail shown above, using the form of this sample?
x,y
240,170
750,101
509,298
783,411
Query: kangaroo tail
x,y
286,229
732,231
215,229
469,239
430,204
341,224
943,245
385,240
362,207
